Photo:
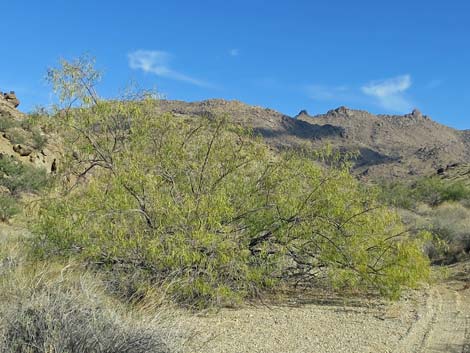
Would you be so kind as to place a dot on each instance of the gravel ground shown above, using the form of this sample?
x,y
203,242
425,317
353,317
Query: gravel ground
x,y
376,327
432,320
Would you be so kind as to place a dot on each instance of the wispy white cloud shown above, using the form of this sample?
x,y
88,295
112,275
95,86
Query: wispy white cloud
x,y
158,63
234,52
390,93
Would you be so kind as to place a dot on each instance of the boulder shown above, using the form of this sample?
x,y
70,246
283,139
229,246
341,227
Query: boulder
x,y
23,151
11,99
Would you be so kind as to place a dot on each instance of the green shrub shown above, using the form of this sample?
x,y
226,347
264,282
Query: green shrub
x,y
18,177
17,135
39,140
203,209
451,223
8,207
430,190
396,194
6,122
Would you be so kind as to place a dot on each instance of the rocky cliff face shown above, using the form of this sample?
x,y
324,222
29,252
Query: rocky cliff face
x,y
21,140
391,146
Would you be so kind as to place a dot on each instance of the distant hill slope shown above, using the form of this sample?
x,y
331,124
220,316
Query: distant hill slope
x,y
457,172
390,145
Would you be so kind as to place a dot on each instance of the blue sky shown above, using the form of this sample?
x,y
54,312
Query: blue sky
x,y
382,56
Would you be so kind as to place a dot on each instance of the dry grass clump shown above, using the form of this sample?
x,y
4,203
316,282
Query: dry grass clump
x,y
450,224
54,309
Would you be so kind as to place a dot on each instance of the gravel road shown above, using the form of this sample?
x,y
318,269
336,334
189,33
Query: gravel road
x,y
429,321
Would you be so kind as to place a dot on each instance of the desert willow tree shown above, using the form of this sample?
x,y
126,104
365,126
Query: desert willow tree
x,y
208,212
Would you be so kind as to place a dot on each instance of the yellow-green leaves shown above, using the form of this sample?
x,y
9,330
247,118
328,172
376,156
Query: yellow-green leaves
x,y
210,212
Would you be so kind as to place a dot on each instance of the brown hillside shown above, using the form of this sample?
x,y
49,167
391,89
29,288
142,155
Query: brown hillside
x,y
389,145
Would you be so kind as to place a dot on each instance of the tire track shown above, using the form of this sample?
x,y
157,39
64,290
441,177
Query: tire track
x,y
442,325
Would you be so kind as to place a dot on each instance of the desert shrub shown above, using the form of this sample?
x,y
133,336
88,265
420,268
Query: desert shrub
x,y
435,191
451,223
430,190
41,316
6,122
8,207
210,211
36,123
396,194
18,177
17,135
206,210
39,139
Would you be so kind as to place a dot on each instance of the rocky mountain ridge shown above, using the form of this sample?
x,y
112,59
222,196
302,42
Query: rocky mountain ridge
x,y
390,146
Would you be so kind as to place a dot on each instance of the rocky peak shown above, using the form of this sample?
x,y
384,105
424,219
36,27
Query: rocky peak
x,y
338,111
303,112
10,98
416,114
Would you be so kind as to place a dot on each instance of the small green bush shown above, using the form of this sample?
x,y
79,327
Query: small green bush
x,y
39,140
17,135
8,207
430,190
451,223
18,177
7,122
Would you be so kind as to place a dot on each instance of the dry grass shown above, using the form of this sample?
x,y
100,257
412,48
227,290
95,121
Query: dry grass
x,y
48,308
450,223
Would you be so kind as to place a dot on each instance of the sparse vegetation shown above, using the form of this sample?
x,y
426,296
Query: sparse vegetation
x,y
19,178
440,206
54,308
52,318
429,190
8,207
27,131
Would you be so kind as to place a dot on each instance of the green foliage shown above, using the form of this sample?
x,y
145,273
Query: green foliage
x,y
204,209
39,139
430,190
450,223
18,177
74,81
210,212
8,207
16,135
6,122
441,207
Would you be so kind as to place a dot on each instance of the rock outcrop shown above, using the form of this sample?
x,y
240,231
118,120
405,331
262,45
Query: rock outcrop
x,y
26,143
10,98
